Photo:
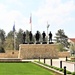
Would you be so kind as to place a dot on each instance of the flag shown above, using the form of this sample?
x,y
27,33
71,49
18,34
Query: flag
x,y
13,28
48,26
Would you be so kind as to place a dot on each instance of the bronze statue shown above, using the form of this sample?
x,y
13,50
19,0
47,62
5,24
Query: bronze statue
x,y
37,36
50,37
30,36
43,35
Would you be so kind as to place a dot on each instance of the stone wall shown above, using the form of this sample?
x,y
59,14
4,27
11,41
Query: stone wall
x,y
64,54
9,54
31,51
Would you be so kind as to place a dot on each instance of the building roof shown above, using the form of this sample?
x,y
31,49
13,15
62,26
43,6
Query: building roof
x,y
72,39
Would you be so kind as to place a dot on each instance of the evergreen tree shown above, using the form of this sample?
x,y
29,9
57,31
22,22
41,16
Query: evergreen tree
x,y
9,43
2,40
2,36
19,39
62,38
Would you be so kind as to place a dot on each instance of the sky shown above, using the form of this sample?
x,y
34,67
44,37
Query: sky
x,y
59,14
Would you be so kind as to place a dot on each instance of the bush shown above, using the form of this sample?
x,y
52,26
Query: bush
x,y
51,66
2,50
68,72
55,68
73,73
60,69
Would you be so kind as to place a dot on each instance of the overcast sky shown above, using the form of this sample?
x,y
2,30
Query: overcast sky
x,y
60,14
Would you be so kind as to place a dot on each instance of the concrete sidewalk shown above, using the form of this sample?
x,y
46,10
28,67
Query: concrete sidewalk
x,y
70,66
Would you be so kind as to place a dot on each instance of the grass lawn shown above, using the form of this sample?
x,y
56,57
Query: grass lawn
x,y
22,69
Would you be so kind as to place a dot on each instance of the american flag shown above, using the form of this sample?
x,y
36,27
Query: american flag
x,y
48,25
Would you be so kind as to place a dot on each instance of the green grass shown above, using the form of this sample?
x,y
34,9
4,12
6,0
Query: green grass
x,y
23,69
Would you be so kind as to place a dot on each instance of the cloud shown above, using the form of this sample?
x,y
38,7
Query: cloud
x,y
7,19
54,11
17,2
2,6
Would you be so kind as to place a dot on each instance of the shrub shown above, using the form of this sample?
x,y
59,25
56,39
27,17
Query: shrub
x,y
51,66
73,73
60,69
68,72
2,50
57,68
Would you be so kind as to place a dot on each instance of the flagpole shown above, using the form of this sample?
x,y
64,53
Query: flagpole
x,y
47,31
31,27
31,22
14,40
14,35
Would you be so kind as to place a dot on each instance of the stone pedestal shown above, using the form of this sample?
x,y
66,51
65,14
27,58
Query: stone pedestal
x,y
32,51
31,43
37,42
44,42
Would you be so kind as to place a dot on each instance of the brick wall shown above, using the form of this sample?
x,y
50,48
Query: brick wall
x,y
30,51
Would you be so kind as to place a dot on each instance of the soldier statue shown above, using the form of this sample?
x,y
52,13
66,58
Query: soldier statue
x,y
43,35
50,37
37,36
30,36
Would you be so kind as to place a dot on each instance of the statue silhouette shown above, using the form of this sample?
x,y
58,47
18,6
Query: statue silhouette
x,y
43,35
50,37
30,36
37,36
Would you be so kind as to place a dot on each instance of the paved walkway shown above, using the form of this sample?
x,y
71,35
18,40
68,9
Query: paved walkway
x,y
70,66
56,62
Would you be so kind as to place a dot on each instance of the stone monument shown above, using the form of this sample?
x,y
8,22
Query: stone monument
x,y
34,51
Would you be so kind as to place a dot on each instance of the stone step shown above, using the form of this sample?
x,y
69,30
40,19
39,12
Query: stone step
x,y
10,60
